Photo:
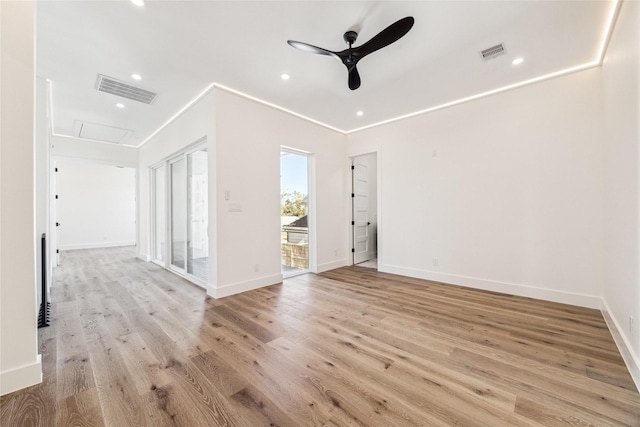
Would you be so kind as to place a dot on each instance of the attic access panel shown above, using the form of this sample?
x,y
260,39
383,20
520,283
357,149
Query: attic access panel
x,y
99,132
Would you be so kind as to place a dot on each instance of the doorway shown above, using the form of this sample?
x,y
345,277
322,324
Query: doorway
x,y
364,210
94,205
294,212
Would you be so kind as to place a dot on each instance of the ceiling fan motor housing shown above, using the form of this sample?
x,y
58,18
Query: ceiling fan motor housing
x,y
350,37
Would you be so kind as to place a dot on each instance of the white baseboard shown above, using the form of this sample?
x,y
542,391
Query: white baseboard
x,y
236,288
211,290
581,300
330,266
96,245
144,257
630,358
19,378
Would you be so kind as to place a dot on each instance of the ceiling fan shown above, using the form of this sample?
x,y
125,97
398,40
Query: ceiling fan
x,y
352,55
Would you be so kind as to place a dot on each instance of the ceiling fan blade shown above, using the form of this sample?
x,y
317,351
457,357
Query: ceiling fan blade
x,y
385,37
312,49
354,78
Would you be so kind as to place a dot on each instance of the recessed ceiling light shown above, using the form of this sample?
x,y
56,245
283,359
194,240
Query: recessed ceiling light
x,y
285,76
120,105
517,61
138,2
359,113
135,76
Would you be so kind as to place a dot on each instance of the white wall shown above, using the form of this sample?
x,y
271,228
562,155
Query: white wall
x,y
505,191
621,71
249,136
42,144
20,364
96,207
243,140
97,152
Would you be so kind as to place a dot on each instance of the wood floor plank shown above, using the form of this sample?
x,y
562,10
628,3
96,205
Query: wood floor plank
x,y
75,375
318,386
6,408
450,395
243,322
549,416
190,343
279,324
203,397
81,410
132,344
117,393
145,369
219,372
70,339
622,408
248,356
259,409
616,377
339,383
407,366
31,407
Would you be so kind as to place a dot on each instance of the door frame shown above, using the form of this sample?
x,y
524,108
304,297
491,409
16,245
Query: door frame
x,y
311,209
181,157
153,241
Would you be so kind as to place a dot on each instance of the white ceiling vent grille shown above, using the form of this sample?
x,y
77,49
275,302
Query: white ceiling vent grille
x,y
493,51
125,90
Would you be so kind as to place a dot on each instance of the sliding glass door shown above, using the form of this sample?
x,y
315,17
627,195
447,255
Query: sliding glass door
x,y
178,213
198,241
181,214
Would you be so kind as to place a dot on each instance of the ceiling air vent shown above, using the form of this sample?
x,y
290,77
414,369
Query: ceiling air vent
x,y
493,51
125,90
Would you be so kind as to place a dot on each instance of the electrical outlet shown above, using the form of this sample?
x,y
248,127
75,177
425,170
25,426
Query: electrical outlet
x,y
631,325
436,262
335,253
256,267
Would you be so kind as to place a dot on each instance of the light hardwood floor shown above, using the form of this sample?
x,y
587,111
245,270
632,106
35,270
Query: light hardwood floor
x,y
133,345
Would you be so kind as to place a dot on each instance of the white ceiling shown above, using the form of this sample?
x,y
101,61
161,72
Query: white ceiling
x,y
181,48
